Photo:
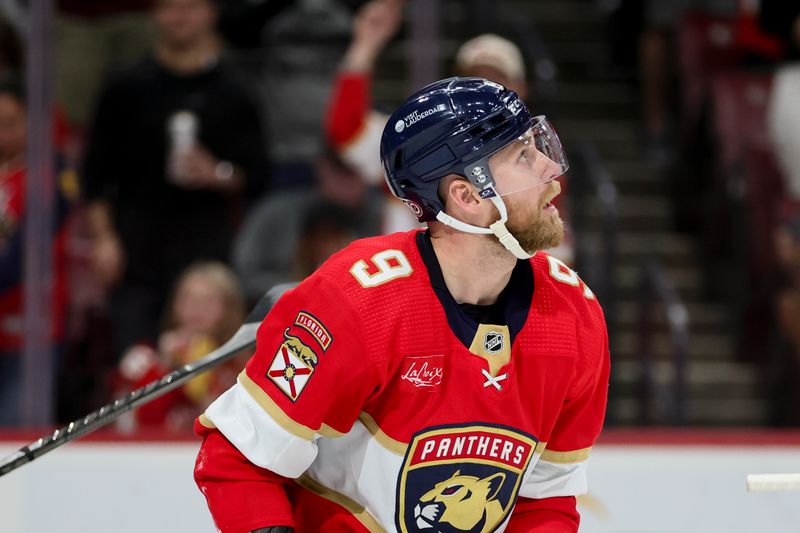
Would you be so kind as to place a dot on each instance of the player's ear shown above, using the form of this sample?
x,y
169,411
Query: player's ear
x,y
458,194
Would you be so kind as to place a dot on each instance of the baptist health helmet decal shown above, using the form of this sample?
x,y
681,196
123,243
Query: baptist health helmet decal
x,y
461,478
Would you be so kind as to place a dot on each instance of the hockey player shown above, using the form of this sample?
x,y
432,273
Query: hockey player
x,y
451,379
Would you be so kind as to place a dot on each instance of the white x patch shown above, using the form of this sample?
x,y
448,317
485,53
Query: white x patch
x,y
493,381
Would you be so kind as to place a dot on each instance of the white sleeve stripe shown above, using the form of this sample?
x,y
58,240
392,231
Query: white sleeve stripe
x,y
254,433
555,479
276,413
388,443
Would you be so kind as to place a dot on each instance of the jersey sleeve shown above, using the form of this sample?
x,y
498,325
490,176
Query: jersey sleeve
x,y
241,496
353,127
308,378
549,515
348,109
561,470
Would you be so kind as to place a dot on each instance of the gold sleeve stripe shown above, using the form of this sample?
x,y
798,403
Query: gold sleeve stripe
x,y
205,422
277,414
394,446
327,431
540,447
575,456
357,510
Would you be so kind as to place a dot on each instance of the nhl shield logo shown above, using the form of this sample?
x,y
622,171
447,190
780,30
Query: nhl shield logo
x,y
493,342
461,478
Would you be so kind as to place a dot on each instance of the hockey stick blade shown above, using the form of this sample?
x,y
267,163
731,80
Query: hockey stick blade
x,y
243,339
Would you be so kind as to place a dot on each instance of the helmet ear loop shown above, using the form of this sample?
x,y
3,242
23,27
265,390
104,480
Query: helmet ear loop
x,y
481,177
454,223
497,228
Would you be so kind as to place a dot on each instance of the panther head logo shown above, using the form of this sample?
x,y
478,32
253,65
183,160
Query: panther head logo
x,y
461,478
467,503
300,350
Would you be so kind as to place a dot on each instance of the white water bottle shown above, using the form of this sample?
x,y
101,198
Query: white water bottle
x,y
182,134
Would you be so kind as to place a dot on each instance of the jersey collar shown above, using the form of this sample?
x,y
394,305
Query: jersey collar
x,y
518,294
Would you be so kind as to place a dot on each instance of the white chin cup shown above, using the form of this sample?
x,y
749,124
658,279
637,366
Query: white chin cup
x,y
498,229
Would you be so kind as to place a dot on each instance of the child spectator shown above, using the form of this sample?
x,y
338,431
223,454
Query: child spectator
x,y
206,309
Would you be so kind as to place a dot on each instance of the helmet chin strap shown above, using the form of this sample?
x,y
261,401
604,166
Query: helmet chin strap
x,y
503,235
498,229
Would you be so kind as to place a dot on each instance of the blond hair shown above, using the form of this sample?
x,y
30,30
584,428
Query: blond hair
x,y
221,277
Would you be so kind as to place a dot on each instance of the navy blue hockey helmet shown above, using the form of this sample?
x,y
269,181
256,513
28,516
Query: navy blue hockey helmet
x,y
453,126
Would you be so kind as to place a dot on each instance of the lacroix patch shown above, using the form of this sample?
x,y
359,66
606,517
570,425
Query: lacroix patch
x,y
422,373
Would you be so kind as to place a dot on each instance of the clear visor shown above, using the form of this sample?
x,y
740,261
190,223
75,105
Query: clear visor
x,y
535,158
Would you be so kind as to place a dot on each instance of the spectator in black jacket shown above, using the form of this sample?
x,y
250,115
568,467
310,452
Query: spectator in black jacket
x,y
175,147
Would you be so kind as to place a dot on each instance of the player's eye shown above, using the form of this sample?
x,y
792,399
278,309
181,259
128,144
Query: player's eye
x,y
524,156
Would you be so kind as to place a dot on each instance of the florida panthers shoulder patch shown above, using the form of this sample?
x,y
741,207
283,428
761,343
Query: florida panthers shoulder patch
x,y
295,361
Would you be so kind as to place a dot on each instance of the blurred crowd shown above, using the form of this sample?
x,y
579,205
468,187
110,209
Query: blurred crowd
x,y
719,84
207,150
193,176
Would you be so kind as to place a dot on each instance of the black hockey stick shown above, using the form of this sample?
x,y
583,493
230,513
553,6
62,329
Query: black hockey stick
x,y
244,338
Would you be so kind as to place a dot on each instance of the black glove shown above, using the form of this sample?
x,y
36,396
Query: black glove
x,y
274,529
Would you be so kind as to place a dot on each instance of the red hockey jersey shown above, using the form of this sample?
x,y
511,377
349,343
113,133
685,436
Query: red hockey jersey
x,y
392,411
